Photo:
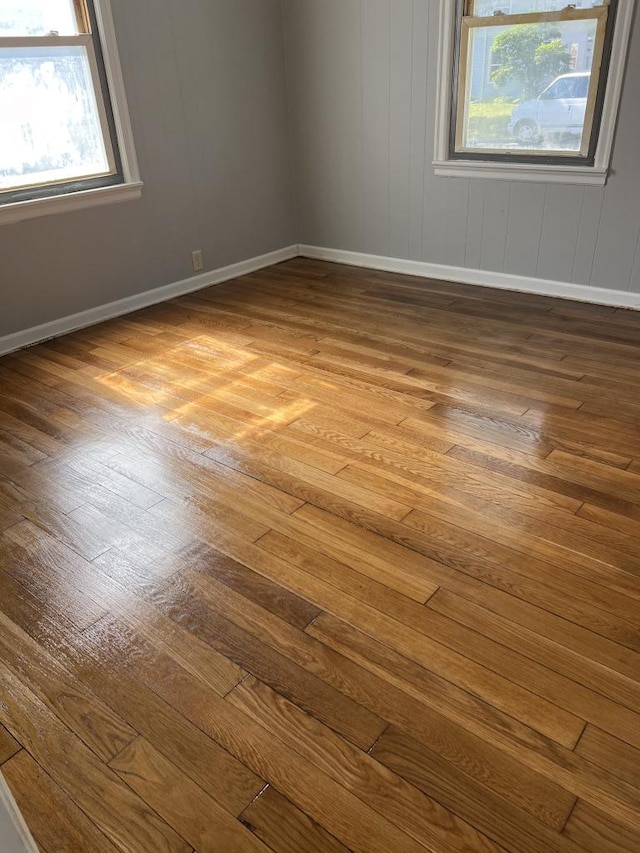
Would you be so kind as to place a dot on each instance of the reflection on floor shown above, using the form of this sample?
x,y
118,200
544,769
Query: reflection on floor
x,y
325,559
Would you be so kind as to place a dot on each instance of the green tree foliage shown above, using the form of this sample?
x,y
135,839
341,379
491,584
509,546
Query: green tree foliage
x,y
531,55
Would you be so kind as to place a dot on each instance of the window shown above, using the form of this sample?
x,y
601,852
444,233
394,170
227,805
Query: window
x,y
530,88
65,139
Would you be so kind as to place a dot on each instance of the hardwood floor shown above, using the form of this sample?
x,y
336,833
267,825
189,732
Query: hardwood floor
x,y
325,560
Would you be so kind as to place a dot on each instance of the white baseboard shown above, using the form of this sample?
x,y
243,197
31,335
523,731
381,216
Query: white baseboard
x,y
482,278
14,833
37,334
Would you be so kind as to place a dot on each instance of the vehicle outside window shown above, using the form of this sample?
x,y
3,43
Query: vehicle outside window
x,y
558,112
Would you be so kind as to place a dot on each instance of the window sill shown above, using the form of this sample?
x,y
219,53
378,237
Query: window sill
x,y
585,175
22,210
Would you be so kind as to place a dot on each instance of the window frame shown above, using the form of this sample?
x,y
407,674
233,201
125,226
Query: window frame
x,y
547,168
123,183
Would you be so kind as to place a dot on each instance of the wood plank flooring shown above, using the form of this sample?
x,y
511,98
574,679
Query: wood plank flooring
x,y
325,560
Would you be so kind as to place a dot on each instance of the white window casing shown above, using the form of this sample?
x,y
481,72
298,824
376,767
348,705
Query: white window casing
x,y
131,186
595,175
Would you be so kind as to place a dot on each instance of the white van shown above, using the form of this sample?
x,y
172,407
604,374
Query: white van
x,y
559,110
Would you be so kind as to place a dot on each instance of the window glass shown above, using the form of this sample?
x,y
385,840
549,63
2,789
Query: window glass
x,y
565,87
581,87
50,127
37,17
527,86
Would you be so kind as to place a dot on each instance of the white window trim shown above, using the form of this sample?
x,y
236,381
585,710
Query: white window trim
x,y
131,188
595,175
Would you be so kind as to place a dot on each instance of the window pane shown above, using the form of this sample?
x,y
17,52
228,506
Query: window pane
x,y
486,8
49,120
37,17
528,86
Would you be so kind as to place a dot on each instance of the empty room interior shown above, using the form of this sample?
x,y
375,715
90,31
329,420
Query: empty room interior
x,y
319,426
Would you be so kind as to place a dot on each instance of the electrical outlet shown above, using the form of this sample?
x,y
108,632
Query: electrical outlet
x,y
198,261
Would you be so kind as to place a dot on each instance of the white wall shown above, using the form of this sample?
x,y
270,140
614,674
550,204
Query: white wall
x,y
362,80
205,82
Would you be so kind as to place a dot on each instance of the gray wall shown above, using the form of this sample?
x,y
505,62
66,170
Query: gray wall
x,y
205,82
362,82
208,97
